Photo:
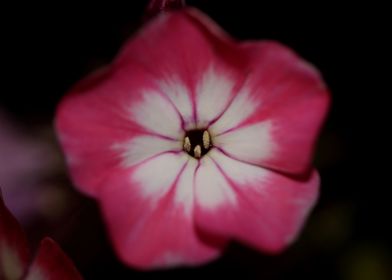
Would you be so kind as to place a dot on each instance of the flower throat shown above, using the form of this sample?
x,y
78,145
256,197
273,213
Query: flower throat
x,y
197,142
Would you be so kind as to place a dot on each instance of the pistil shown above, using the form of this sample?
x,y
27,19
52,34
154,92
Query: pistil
x,y
197,151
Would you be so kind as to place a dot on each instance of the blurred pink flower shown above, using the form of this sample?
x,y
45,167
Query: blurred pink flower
x,y
25,162
50,263
190,139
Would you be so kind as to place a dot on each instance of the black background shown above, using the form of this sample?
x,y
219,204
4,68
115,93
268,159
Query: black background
x,y
49,47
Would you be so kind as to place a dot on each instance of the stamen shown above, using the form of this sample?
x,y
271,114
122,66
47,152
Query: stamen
x,y
187,144
197,142
197,151
206,139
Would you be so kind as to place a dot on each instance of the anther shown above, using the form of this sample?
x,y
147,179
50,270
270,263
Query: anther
x,y
206,139
197,151
197,142
187,144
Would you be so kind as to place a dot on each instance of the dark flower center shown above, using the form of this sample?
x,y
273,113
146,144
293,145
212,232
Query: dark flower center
x,y
197,142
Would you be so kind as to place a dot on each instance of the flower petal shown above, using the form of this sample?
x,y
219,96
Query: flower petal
x,y
165,167
242,105
155,113
191,60
287,92
250,143
51,263
149,210
109,110
180,96
211,188
269,208
143,147
14,252
213,93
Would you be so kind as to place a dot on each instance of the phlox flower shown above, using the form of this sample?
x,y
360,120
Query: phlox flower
x,y
190,139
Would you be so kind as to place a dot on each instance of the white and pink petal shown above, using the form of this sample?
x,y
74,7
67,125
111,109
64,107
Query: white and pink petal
x,y
241,106
156,114
269,208
180,96
104,113
149,212
191,60
214,91
252,143
286,92
211,188
141,148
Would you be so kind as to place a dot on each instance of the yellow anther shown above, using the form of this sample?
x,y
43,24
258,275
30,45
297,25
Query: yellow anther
x,y
187,144
206,139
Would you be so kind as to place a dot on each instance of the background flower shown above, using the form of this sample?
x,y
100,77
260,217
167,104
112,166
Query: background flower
x,y
29,164
50,263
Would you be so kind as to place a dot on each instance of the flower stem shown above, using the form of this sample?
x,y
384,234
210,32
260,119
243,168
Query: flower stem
x,y
156,7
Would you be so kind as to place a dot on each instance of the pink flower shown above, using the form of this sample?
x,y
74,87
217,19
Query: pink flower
x,y
25,162
190,139
50,263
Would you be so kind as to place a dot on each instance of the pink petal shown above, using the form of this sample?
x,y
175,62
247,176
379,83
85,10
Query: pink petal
x,y
232,84
267,209
284,91
51,263
14,252
251,143
194,57
149,211
105,116
146,91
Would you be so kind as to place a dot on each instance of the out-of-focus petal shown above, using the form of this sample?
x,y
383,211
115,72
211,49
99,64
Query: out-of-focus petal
x,y
22,176
51,263
264,209
149,211
14,252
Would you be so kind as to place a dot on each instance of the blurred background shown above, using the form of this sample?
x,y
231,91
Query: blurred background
x,y
50,47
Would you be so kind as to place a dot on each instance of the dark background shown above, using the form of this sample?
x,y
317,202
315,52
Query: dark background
x,y
50,47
